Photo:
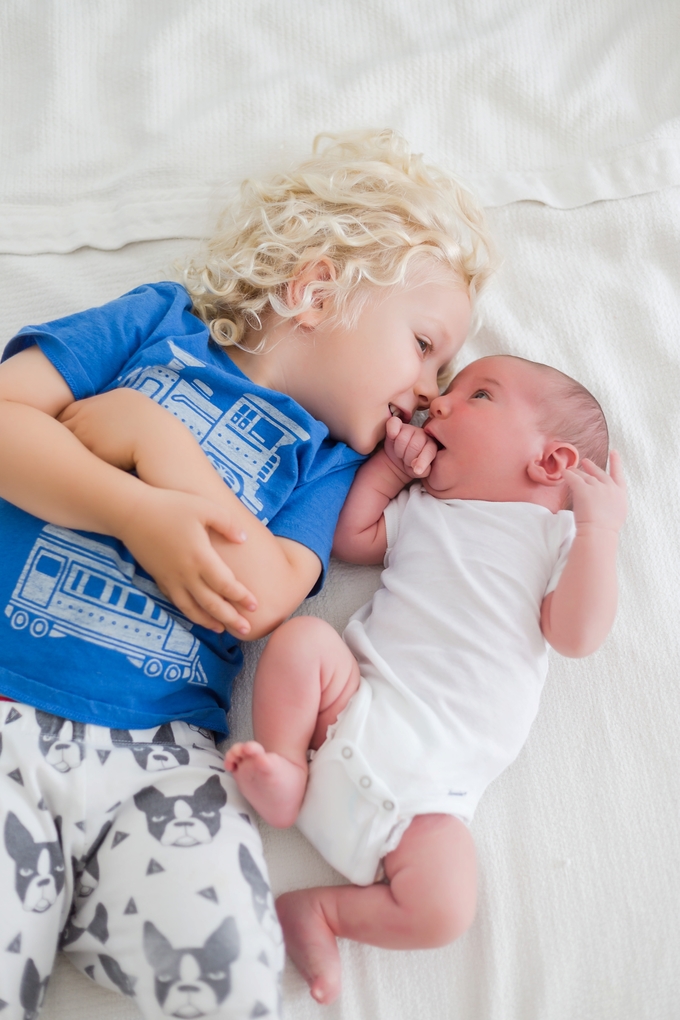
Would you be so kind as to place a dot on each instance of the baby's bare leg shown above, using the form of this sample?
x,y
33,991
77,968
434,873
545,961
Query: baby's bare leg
x,y
430,901
305,677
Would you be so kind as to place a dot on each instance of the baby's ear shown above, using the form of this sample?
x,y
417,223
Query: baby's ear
x,y
318,272
556,458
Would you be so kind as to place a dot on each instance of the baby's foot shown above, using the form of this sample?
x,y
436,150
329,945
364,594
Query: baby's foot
x,y
310,943
273,785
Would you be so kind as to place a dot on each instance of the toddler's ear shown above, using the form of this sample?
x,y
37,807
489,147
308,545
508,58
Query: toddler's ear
x,y
549,468
318,272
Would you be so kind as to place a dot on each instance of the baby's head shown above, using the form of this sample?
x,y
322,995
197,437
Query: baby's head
x,y
508,429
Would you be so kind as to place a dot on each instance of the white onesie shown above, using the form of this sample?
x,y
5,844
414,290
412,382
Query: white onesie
x,y
452,661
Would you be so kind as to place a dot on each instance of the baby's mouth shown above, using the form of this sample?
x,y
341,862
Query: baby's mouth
x,y
440,446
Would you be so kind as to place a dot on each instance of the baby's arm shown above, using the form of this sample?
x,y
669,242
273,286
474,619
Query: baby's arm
x,y
579,614
126,428
360,536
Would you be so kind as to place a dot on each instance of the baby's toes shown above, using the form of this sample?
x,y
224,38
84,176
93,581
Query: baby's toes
x,y
233,757
251,749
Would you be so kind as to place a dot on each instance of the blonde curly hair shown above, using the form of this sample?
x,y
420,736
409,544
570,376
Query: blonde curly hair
x,y
362,201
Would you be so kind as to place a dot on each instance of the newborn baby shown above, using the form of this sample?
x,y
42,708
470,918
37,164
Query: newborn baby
x,y
508,543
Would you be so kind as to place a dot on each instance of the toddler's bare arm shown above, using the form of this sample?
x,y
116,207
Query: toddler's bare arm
x,y
46,471
360,536
579,614
128,429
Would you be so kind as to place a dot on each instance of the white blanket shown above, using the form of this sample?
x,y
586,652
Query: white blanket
x,y
126,121
580,886
578,840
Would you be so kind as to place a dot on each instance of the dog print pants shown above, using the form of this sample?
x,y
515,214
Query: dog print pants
x,y
134,853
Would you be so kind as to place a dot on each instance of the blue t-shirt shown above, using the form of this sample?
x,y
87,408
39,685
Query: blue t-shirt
x,y
84,631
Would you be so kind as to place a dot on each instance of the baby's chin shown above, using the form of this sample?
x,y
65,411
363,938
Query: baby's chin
x,y
436,490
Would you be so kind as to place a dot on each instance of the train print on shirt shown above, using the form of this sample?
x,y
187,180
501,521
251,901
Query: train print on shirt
x,y
78,586
72,584
241,443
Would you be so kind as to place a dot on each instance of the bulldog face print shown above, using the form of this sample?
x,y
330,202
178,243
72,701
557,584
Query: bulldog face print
x,y
159,754
263,901
125,983
186,820
39,867
193,982
32,990
86,869
61,741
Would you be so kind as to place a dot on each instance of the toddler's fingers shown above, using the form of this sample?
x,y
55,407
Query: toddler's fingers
x,y
188,605
219,578
220,610
219,520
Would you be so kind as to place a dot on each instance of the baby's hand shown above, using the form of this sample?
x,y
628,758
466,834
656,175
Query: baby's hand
x,y
599,498
409,448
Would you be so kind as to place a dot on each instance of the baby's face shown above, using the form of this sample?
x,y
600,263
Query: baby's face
x,y
486,425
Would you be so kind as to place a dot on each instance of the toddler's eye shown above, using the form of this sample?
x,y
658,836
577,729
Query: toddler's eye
x,y
480,394
424,344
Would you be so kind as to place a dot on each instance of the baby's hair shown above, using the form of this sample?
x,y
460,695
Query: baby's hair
x,y
568,411
363,201
571,413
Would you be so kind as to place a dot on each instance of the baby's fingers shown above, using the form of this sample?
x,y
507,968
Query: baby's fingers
x,y
405,444
421,465
574,478
615,469
393,427
591,470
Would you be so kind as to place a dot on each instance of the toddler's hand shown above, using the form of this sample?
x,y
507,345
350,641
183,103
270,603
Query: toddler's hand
x,y
168,533
599,498
409,448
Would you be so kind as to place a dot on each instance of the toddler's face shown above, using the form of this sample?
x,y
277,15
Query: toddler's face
x,y
487,427
389,359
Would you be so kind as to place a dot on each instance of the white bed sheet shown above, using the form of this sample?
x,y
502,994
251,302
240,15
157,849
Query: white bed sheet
x,y
122,122
578,841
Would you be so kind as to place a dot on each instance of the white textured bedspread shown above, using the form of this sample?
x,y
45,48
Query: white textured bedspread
x,y
579,912
126,121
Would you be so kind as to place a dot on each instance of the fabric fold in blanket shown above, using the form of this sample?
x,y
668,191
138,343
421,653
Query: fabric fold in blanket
x,y
125,122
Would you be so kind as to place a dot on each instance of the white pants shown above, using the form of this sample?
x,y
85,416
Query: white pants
x,y
136,854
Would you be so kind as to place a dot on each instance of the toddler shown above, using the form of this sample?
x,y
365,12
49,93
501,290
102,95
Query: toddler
x,y
433,690
331,296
